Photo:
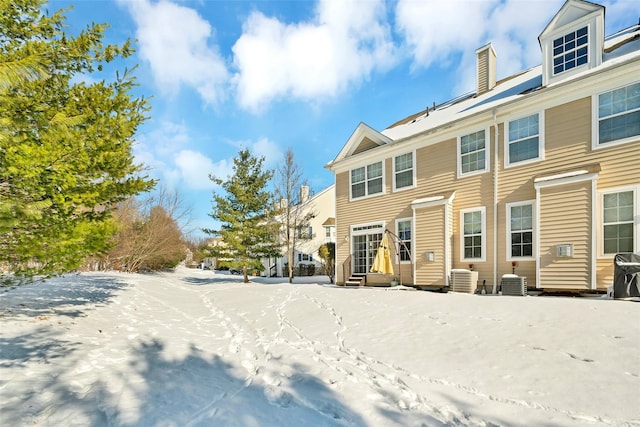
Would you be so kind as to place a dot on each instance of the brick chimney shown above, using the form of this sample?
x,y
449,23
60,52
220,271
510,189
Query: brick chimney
x,y
486,68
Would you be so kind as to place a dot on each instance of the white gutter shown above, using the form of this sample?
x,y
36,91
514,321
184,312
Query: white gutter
x,y
495,203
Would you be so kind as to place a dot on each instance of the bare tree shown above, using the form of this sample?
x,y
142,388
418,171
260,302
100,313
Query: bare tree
x,y
294,212
149,236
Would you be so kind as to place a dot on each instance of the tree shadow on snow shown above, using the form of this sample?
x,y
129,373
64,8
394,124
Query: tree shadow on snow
x,y
70,296
193,390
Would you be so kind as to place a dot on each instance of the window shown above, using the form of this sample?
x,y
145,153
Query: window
x,y
305,257
473,234
524,139
520,229
619,114
472,153
571,50
365,240
403,171
403,227
618,212
305,232
366,180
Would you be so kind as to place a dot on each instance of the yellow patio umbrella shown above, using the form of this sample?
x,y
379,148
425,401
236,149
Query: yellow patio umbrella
x,y
382,262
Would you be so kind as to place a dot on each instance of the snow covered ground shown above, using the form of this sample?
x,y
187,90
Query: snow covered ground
x,y
198,348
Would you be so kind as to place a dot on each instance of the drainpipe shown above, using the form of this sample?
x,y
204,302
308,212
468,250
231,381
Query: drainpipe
x,y
495,203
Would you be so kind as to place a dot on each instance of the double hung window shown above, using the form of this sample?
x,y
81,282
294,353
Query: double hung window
x,y
520,231
472,149
366,180
473,234
618,212
619,114
524,139
403,171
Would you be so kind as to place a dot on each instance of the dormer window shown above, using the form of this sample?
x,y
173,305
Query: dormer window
x,y
570,50
573,41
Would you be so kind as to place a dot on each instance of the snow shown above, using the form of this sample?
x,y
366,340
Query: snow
x,y
200,348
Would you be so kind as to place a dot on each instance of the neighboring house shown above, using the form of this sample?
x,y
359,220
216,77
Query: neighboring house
x,y
318,230
538,173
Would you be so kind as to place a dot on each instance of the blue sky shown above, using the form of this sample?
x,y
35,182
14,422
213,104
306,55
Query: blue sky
x,y
272,75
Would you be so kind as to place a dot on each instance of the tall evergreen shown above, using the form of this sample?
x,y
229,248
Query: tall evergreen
x,y
65,143
245,213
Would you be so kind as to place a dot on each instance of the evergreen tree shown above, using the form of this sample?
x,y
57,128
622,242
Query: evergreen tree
x,y
65,145
245,214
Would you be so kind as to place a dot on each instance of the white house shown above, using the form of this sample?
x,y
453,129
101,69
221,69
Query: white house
x,y
320,229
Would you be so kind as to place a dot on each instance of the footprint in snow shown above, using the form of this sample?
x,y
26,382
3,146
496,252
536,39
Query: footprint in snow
x,y
573,356
277,397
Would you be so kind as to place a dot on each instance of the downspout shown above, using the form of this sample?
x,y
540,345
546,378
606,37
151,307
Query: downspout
x,y
495,203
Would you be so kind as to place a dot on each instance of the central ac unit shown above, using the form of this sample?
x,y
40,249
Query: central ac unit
x,y
514,285
464,280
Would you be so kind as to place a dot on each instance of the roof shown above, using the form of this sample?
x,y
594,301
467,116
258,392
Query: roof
x,y
619,48
329,222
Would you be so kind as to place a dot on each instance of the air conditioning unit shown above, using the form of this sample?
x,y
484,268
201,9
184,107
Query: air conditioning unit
x,y
465,281
512,284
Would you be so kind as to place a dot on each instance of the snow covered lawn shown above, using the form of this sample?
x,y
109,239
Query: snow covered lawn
x,y
198,348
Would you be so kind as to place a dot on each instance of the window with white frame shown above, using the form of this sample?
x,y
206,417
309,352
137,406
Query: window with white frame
x,y
520,229
366,180
365,241
403,171
524,139
619,221
619,114
472,153
305,257
473,234
403,227
571,50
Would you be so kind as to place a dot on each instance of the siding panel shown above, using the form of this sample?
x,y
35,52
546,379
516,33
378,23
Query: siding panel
x,y
565,217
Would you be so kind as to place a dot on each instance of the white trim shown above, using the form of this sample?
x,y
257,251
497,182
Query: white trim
x,y
594,21
594,234
536,235
381,225
600,219
428,202
541,133
483,233
595,122
411,241
487,153
366,188
508,207
413,171
564,178
372,224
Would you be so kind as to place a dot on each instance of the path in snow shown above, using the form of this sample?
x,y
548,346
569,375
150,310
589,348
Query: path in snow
x,y
198,348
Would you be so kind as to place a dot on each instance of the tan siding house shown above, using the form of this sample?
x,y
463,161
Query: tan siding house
x,y
534,175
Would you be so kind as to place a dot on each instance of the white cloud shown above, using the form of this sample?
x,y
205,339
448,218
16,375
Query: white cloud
x,y
273,156
195,168
174,39
341,46
441,32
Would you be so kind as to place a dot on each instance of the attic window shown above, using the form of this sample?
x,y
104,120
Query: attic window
x,y
570,50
